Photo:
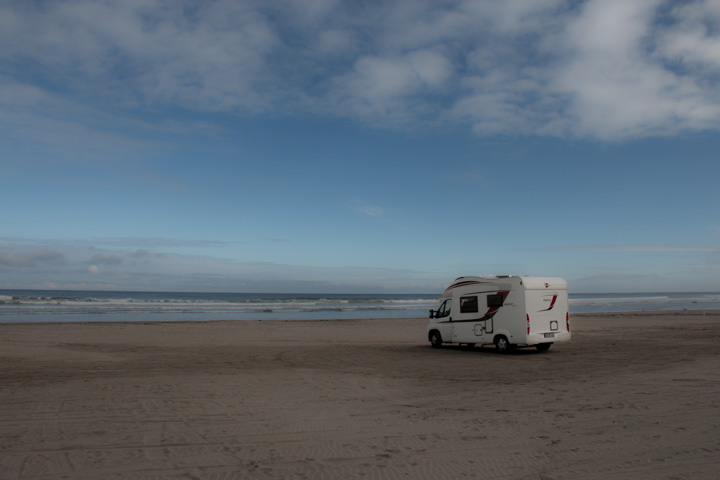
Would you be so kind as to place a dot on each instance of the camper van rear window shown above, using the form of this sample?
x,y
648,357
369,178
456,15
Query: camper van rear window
x,y
495,300
468,305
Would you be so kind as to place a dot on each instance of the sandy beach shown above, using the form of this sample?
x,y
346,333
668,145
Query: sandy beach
x,y
631,396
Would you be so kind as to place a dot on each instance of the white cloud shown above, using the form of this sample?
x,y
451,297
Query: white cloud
x,y
379,88
369,210
372,211
694,41
606,69
337,41
207,55
617,88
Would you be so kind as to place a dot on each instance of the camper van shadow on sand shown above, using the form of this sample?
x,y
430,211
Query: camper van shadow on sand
x,y
507,311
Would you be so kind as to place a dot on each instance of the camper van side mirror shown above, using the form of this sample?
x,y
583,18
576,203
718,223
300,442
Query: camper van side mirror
x,y
432,313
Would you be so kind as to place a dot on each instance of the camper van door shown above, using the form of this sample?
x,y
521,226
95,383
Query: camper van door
x,y
472,324
443,319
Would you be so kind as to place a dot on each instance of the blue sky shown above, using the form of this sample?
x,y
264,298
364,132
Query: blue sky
x,y
367,147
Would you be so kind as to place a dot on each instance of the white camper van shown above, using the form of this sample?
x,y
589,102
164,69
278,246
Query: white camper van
x,y
505,310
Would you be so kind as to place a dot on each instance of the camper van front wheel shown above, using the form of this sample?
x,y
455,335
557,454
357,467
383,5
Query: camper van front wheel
x,y
435,339
502,345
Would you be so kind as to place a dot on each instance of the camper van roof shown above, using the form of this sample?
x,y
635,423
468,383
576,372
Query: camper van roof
x,y
530,282
485,276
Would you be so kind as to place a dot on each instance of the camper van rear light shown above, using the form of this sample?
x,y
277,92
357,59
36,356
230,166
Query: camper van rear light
x,y
567,320
528,323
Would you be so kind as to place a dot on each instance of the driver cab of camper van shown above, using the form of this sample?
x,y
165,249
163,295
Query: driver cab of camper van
x,y
443,311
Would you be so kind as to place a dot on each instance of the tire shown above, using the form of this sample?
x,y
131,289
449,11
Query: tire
x,y
435,339
543,347
502,345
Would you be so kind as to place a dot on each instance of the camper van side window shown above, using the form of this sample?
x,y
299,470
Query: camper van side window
x,y
495,300
468,304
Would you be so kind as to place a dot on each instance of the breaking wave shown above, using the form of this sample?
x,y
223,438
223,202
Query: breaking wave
x,y
85,306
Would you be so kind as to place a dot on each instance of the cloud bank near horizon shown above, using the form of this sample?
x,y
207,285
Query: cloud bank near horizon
x,y
107,264
605,70
103,264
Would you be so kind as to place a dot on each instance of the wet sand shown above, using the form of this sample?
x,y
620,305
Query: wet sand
x,y
630,396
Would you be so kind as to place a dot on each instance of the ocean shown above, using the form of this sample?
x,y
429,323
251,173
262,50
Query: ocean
x,y
33,306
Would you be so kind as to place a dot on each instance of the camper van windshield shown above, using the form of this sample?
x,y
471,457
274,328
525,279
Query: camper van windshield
x,y
444,309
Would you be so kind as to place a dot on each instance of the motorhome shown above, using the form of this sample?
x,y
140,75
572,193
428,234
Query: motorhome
x,y
507,311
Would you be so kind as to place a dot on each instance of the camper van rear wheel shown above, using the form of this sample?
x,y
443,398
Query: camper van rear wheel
x,y
435,339
502,345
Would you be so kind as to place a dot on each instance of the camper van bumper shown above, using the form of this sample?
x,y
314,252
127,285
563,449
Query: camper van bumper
x,y
547,337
